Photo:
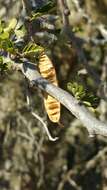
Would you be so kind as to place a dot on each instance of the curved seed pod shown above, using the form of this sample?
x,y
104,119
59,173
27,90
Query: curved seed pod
x,y
48,72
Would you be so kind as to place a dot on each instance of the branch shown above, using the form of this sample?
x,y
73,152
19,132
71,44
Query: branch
x,y
67,178
93,125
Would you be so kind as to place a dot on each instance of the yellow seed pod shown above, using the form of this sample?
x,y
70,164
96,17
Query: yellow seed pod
x,y
48,72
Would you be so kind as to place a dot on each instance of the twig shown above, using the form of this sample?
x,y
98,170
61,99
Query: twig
x,y
24,135
95,160
34,142
42,169
7,133
67,178
27,125
73,184
44,126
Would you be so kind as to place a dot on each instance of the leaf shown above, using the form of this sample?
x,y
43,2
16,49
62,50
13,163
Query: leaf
x,y
87,103
32,48
35,15
77,29
47,7
4,35
77,90
69,86
1,59
8,46
88,99
94,100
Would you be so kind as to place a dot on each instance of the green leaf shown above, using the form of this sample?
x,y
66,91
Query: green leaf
x,y
94,100
80,93
4,35
87,103
69,86
76,89
1,59
8,46
35,15
81,88
47,7
32,48
77,29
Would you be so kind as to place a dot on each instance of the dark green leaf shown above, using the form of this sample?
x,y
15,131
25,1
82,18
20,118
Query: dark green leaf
x,y
47,7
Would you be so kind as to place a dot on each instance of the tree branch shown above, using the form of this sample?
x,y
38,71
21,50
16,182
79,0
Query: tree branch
x,y
93,125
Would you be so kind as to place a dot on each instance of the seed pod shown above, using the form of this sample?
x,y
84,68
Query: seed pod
x,y
48,72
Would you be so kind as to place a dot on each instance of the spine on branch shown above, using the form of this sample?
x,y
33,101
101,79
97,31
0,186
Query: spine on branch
x,y
48,72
